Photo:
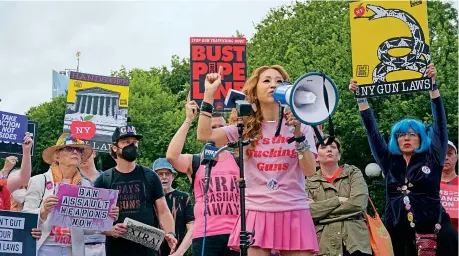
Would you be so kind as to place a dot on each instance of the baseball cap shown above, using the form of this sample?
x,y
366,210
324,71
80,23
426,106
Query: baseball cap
x,y
162,163
450,143
125,131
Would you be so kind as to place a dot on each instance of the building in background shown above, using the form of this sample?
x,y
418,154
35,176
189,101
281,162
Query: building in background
x,y
60,83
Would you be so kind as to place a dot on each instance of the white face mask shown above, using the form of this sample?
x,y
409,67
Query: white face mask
x,y
19,195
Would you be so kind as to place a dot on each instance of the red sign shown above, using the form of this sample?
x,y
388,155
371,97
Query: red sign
x,y
207,54
449,197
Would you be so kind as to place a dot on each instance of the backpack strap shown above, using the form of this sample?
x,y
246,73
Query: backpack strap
x,y
44,189
195,163
149,175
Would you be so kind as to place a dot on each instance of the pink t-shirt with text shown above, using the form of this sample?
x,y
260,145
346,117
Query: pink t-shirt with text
x,y
274,179
222,198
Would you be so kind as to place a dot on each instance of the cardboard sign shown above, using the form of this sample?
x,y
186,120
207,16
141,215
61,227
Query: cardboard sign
x,y
12,127
10,149
96,105
449,197
207,54
84,207
143,234
390,47
15,237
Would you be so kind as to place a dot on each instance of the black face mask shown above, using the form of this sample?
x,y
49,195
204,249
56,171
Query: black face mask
x,y
130,153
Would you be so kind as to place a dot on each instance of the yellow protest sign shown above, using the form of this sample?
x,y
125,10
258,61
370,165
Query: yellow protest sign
x,y
390,46
96,105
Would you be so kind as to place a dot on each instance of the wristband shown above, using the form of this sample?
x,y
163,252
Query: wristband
x,y
188,122
296,139
173,234
362,100
207,107
434,86
205,114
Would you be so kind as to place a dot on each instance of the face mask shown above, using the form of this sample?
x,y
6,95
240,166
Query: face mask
x,y
130,153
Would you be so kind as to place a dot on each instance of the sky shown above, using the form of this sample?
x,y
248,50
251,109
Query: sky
x,y
37,37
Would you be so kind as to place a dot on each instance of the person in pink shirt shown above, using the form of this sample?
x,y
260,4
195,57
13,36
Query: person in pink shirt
x,y
276,201
210,232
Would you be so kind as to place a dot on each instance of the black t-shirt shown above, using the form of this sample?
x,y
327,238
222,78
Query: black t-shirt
x,y
182,210
136,198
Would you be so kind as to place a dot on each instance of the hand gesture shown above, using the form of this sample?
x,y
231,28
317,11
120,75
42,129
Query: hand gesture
x,y
119,229
291,121
353,85
171,241
114,213
36,233
10,162
191,108
49,203
214,80
27,144
432,72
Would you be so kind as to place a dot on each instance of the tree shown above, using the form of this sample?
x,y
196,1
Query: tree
x,y
315,36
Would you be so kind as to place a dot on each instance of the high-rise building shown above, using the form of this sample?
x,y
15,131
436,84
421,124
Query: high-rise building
x,y
60,83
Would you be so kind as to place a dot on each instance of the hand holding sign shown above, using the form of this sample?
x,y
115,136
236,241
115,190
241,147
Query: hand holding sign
x,y
171,241
27,145
432,72
119,230
213,80
191,109
114,213
49,203
36,233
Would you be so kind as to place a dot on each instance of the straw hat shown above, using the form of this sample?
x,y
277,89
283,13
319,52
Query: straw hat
x,y
67,140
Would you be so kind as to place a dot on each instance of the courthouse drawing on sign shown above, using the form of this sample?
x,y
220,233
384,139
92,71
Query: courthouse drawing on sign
x,y
390,44
96,105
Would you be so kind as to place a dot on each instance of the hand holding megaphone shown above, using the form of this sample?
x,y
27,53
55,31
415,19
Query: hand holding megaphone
x,y
292,122
213,80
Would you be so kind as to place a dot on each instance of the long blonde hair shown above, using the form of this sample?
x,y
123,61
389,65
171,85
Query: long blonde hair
x,y
252,124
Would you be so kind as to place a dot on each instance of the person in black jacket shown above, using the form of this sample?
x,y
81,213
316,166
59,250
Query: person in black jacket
x,y
412,164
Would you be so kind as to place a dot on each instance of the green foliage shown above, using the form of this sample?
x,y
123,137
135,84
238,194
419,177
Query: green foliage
x,y
315,36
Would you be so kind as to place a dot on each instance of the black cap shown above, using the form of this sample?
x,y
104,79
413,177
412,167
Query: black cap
x,y
125,131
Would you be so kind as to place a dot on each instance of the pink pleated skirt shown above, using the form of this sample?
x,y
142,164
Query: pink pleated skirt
x,y
289,230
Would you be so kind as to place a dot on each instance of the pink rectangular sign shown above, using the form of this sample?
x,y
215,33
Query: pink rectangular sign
x,y
84,207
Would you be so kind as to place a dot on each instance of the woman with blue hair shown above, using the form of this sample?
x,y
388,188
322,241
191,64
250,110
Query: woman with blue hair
x,y
412,164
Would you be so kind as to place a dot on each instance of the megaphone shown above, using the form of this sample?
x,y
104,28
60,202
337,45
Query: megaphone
x,y
313,98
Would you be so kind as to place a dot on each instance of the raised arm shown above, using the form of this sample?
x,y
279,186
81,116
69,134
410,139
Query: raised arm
x,y
182,162
440,131
23,178
205,131
377,143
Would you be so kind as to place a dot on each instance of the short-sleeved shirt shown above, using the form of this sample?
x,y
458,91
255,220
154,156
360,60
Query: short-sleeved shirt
x,y
182,210
136,198
275,181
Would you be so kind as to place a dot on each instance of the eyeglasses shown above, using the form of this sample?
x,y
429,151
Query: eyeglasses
x,y
411,135
71,149
165,174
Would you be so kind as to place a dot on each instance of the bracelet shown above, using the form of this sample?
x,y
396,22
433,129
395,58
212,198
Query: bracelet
x,y
301,146
207,107
362,100
188,122
173,234
205,114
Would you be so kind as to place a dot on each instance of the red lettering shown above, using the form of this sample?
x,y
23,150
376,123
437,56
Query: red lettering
x,y
198,53
238,85
199,68
227,69
260,166
227,53
265,141
285,166
223,90
239,52
239,71
214,53
197,94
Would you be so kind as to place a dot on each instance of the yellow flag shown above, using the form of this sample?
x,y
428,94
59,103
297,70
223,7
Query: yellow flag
x,y
390,44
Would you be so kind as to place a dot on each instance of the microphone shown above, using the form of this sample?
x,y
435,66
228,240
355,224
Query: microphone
x,y
208,159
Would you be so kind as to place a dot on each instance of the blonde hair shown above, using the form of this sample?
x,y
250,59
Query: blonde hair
x,y
252,124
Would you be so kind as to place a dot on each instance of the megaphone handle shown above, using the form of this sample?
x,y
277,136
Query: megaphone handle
x,y
279,121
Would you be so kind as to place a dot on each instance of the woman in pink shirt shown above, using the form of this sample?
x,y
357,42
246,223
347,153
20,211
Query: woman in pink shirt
x,y
276,201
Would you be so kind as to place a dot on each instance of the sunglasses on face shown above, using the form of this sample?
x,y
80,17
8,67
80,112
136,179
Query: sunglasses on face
x,y
165,174
71,149
410,135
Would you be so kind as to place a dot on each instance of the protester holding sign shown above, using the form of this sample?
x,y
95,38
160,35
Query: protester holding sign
x,y
338,197
222,183
140,195
449,184
8,186
275,169
64,158
412,164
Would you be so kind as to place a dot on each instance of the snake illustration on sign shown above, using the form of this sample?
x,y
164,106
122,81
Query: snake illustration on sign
x,y
397,62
